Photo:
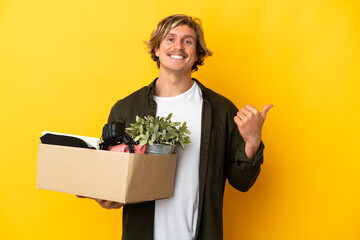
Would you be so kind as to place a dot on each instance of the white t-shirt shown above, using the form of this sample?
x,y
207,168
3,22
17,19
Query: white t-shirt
x,y
176,217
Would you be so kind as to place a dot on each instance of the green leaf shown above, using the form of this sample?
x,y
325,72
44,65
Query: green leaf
x,y
172,134
153,137
143,142
156,128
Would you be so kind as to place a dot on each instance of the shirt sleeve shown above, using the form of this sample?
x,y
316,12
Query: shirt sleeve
x,y
243,161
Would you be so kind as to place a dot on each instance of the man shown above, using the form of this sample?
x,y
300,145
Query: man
x,y
226,144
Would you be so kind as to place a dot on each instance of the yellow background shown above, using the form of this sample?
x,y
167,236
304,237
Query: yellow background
x,y
63,64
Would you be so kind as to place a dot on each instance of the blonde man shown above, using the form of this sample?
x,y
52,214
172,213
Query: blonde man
x,y
226,143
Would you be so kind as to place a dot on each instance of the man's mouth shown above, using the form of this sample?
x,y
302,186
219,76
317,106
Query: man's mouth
x,y
176,56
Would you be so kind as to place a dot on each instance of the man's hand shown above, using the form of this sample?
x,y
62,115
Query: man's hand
x,y
105,203
250,122
109,204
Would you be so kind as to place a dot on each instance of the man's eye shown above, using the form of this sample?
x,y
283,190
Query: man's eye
x,y
188,42
170,39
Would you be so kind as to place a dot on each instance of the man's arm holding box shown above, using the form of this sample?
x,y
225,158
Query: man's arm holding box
x,y
106,203
109,204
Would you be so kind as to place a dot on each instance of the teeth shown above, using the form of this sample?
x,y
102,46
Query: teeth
x,y
176,56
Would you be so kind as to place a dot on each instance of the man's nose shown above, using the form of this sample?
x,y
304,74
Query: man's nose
x,y
178,45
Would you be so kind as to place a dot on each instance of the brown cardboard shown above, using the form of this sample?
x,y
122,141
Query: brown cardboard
x,y
115,176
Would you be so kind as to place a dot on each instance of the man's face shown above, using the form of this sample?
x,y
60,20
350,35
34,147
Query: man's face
x,y
177,51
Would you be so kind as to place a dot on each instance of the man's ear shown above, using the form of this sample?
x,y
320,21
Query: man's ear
x,y
156,52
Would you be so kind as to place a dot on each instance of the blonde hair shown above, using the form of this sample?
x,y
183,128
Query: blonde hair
x,y
168,23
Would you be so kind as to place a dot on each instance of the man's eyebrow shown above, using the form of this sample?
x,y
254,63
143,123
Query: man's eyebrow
x,y
186,36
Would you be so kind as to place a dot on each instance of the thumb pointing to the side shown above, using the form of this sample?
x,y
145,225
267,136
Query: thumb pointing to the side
x,y
265,110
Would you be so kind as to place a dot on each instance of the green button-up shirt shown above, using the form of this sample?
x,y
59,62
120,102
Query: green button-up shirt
x,y
222,156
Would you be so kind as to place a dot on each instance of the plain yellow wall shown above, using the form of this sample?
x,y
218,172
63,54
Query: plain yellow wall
x,y
63,64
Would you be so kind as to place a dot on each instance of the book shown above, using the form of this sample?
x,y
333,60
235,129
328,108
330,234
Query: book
x,y
69,140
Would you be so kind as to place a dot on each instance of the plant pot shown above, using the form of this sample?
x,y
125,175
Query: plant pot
x,y
160,149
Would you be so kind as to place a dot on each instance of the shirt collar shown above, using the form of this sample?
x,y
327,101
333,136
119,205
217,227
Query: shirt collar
x,y
151,88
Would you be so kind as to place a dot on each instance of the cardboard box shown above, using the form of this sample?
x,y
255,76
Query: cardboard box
x,y
115,176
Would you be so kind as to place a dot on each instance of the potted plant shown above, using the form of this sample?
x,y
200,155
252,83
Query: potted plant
x,y
160,133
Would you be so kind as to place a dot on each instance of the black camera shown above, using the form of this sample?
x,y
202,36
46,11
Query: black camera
x,y
114,133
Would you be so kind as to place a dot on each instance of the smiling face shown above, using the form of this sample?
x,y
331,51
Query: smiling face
x,y
177,50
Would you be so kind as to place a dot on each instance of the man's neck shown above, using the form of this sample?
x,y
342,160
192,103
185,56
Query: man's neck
x,y
172,84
